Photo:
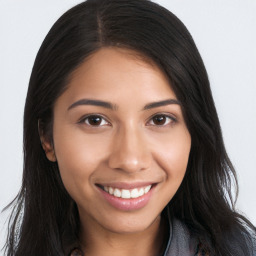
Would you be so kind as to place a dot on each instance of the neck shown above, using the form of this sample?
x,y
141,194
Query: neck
x,y
149,242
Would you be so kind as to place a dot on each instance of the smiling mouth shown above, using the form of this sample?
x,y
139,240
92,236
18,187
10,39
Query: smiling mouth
x,y
126,193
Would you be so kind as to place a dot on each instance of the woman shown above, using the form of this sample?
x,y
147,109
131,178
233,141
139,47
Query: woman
x,y
123,152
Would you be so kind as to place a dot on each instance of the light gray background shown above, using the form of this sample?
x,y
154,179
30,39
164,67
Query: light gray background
x,y
225,33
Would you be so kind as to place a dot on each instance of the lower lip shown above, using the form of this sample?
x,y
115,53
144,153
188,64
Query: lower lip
x,y
127,204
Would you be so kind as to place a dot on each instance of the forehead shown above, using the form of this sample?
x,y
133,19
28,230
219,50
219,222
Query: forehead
x,y
115,73
118,58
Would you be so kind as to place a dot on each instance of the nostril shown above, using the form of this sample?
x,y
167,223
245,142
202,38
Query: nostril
x,y
129,161
129,150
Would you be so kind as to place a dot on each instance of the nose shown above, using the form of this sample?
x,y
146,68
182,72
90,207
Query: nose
x,y
130,151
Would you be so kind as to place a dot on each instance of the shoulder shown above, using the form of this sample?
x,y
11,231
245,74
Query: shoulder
x,y
253,244
181,241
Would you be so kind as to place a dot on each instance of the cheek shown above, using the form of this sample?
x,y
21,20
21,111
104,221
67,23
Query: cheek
x,y
172,154
78,157
178,157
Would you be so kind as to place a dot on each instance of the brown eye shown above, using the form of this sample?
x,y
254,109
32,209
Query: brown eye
x,y
159,120
95,120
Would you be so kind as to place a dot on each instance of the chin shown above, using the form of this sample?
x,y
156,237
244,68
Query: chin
x,y
131,225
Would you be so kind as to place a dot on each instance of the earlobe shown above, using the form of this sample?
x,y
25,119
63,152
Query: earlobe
x,y
49,150
47,145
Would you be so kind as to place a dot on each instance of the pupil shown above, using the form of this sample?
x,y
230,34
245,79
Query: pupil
x,y
159,120
94,120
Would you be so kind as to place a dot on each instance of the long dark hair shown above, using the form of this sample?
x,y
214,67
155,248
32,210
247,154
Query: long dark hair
x,y
44,218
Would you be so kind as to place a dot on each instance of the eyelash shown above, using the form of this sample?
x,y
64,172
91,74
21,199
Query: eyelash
x,y
85,120
168,120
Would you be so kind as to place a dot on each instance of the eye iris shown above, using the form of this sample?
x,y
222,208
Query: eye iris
x,y
159,120
94,120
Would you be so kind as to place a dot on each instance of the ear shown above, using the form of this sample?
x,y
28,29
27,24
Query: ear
x,y
47,144
48,149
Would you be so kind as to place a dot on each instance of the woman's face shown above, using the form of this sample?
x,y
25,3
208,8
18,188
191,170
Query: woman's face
x,y
120,141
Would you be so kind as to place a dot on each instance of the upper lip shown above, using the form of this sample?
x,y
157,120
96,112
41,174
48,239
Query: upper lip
x,y
125,185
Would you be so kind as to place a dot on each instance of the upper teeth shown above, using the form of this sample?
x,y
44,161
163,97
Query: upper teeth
x,y
125,193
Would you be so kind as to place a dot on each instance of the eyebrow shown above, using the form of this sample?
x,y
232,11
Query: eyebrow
x,y
161,103
111,106
98,103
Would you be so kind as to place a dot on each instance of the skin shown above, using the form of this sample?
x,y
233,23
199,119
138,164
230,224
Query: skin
x,y
126,145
